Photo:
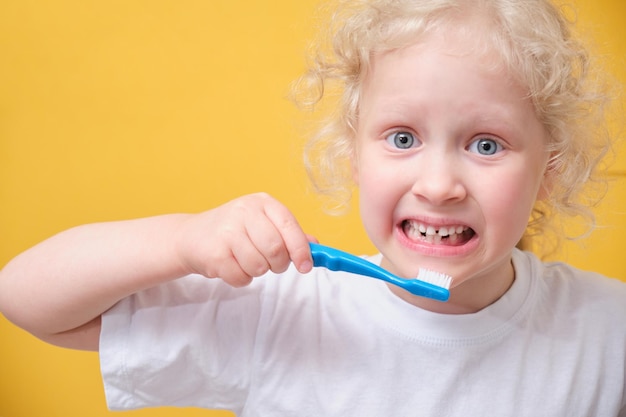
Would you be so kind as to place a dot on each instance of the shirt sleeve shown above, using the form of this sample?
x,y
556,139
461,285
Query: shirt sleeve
x,y
189,342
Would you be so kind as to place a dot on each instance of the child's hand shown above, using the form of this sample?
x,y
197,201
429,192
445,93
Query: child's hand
x,y
242,239
71,278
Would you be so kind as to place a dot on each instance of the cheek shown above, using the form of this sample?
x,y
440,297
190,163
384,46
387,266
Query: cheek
x,y
372,193
377,201
510,204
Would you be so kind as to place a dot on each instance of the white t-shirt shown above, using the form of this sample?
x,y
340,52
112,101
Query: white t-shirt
x,y
335,344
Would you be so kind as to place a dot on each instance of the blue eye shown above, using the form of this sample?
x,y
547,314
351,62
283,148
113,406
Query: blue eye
x,y
401,140
485,146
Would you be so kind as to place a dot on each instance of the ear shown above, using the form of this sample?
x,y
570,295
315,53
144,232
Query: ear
x,y
354,167
544,191
547,184
355,172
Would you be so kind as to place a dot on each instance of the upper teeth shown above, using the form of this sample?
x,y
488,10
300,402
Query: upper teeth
x,y
443,231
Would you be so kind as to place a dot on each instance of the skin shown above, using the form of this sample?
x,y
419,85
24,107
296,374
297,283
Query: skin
x,y
446,138
58,289
425,110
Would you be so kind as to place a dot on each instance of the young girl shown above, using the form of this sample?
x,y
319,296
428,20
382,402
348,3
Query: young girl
x,y
459,121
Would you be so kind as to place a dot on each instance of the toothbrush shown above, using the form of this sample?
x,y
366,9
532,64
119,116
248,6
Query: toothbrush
x,y
428,283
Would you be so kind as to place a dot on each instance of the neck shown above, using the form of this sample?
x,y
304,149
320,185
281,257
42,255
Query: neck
x,y
471,296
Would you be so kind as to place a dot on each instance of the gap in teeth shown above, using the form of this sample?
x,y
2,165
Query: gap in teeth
x,y
444,231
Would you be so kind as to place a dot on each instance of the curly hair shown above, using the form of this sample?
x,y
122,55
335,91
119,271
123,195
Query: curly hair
x,y
535,42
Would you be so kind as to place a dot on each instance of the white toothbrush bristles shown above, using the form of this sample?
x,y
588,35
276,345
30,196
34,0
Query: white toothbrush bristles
x,y
436,278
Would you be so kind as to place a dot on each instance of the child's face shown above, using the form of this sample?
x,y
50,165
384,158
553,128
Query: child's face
x,y
450,158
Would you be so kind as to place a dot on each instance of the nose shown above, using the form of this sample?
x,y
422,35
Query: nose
x,y
439,180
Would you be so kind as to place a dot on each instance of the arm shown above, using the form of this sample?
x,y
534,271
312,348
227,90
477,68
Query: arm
x,y
58,289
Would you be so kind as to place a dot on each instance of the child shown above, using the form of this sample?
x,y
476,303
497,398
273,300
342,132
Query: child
x,y
460,120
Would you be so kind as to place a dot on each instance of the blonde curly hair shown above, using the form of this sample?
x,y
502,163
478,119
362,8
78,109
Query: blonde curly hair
x,y
535,43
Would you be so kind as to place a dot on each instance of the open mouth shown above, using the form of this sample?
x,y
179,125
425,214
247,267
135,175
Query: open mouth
x,y
451,235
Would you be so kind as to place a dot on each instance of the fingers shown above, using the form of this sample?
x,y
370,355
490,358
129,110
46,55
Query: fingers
x,y
311,238
271,250
293,243
248,237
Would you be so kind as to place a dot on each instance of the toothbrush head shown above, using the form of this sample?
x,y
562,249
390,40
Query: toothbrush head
x,y
438,280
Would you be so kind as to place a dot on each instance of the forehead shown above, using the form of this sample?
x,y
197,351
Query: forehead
x,y
444,63
445,79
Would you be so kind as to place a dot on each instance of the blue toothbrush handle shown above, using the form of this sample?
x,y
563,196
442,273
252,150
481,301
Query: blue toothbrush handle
x,y
337,260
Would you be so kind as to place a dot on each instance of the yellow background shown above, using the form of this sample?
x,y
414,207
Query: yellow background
x,y
128,108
